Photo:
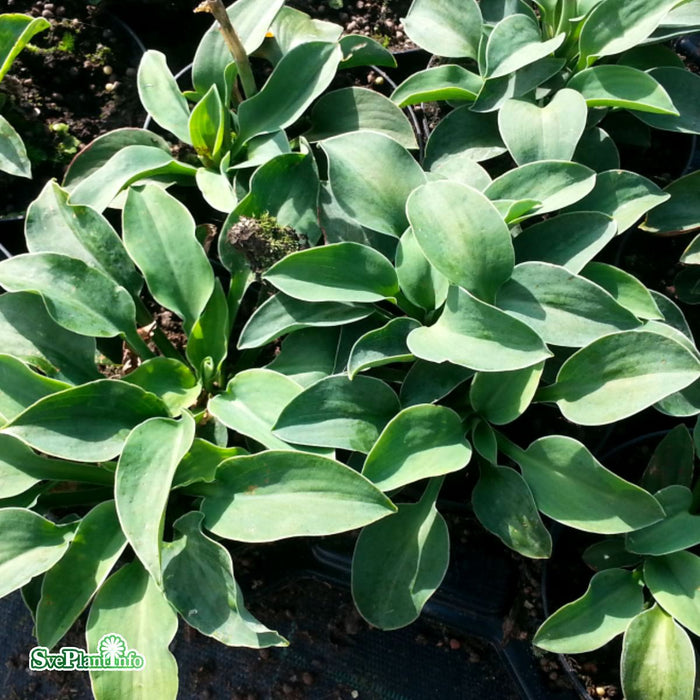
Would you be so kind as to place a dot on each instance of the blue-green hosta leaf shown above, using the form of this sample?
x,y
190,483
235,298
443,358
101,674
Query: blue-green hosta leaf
x,y
448,82
171,380
209,336
55,226
671,313
159,235
562,308
202,460
354,109
30,334
516,42
78,297
309,494
478,336
16,31
216,190
624,195
627,290
20,387
657,659
297,80
678,214
463,133
132,605
501,397
208,127
554,183
337,412
87,423
504,505
461,168
216,609
419,442
609,553
330,273
70,584
420,282
493,11
622,87
362,172
359,50
400,562
679,530
445,27
30,546
619,375
427,382
672,462
597,150
570,240
292,27
674,581
144,474
282,314
382,346
614,26
160,95
307,355
462,235
613,599
13,152
543,133
648,56
572,487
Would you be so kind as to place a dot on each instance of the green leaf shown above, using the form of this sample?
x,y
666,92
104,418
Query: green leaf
x,y
281,314
543,133
78,297
419,442
572,487
252,403
72,582
310,495
678,214
126,166
609,553
329,273
442,83
627,290
170,380
13,153
484,440
446,28
400,562
461,168
55,226
562,308
160,95
359,50
462,235
570,240
650,56
624,195
614,26
613,599
674,581
209,336
355,109
554,183
16,31
307,355
684,89
501,397
478,336
504,505
362,172
216,609
597,150
463,133
426,382
159,235
144,474
30,334
672,461
516,42
30,546
208,126
297,80
622,87
337,412
201,462
382,346
671,314
88,423
216,190
619,375
131,604
657,658
20,387
420,282
679,530
16,462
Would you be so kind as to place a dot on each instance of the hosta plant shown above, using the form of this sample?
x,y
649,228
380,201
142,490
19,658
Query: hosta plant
x,y
363,326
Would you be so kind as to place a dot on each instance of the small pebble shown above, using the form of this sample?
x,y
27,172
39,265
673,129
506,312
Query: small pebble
x,y
600,691
454,644
110,87
307,678
107,70
379,80
287,689
359,4
553,676
354,694
60,11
